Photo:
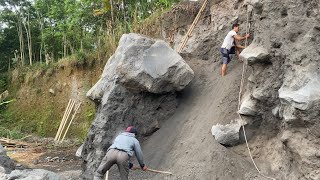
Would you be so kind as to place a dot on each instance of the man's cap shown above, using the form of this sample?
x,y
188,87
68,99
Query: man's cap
x,y
131,129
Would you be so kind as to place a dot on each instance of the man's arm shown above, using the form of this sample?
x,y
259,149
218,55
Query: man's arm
x,y
240,38
138,152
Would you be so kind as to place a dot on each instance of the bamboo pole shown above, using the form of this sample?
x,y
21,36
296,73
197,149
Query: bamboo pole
x,y
74,114
63,119
195,21
66,119
64,116
153,170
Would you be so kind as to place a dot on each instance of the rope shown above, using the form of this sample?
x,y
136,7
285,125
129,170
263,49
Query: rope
x,y
244,68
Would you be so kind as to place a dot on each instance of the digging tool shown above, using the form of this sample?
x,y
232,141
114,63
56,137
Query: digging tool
x,y
153,170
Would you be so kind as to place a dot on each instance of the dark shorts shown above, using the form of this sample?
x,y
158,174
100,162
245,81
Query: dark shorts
x,y
226,54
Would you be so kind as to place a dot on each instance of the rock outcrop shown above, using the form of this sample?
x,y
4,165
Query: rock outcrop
x,y
138,87
285,82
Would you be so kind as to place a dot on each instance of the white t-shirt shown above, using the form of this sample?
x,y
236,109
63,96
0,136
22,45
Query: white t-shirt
x,y
228,41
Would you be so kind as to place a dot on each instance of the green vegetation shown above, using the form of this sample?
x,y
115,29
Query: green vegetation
x,y
39,38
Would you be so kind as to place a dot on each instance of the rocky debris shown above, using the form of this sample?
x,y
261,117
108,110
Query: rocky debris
x,y
3,152
33,174
6,163
57,159
255,54
248,106
138,87
228,134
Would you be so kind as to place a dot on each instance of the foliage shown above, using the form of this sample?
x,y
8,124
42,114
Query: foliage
x,y
39,36
44,31
11,134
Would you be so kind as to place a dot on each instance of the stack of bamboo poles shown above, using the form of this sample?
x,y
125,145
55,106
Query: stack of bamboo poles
x,y
63,129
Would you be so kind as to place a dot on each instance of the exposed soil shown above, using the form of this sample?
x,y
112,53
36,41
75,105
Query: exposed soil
x,y
58,159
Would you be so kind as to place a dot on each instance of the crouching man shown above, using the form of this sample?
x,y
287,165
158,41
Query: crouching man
x,y
120,152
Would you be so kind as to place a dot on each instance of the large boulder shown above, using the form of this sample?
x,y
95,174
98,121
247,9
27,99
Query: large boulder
x,y
144,64
138,87
33,174
228,134
255,54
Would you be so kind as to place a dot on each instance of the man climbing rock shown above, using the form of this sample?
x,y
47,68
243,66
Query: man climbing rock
x,y
229,46
120,153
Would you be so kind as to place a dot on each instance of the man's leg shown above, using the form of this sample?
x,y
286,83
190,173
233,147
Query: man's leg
x,y
225,60
224,69
123,165
106,163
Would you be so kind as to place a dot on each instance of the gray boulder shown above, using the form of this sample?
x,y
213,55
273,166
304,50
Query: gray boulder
x,y
255,54
227,134
7,164
301,93
248,106
138,87
2,150
144,64
33,174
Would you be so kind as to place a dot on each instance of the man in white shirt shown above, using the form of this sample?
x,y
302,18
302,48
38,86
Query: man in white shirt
x,y
230,46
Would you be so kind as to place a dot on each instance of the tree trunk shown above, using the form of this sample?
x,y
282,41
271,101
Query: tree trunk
x,y
42,41
29,39
20,34
64,45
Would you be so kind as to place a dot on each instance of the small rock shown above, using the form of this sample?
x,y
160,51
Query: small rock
x,y
227,134
51,91
79,151
248,106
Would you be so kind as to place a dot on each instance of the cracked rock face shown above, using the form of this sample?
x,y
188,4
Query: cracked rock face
x,y
138,87
285,81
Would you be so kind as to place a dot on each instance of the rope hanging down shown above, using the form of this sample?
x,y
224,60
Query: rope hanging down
x,y
244,68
